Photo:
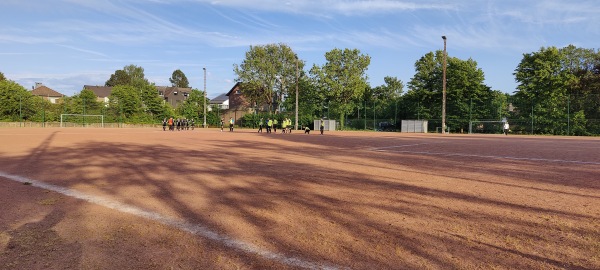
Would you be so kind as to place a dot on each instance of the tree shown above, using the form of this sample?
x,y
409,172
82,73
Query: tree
x,y
129,75
120,77
344,77
387,96
192,107
270,70
178,79
151,102
125,100
467,96
542,90
15,101
86,102
2,78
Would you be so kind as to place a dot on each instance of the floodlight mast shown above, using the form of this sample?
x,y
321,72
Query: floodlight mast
x,y
444,89
204,123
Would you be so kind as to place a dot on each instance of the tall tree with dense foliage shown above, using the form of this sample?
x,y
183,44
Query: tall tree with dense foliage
x,y
388,96
192,107
178,79
15,101
125,101
467,97
344,78
543,90
270,70
129,75
558,90
120,77
2,78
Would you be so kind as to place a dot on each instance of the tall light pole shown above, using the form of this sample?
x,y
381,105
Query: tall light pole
x,y
444,89
204,123
297,82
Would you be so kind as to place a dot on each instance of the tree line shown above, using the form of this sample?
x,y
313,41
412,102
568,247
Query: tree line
x,y
558,93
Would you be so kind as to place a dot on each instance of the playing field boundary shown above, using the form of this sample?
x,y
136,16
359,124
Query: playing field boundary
x,y
193,228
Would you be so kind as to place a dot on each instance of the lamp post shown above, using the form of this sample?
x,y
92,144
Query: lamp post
x,y
444,89
204,123
20,109
297,82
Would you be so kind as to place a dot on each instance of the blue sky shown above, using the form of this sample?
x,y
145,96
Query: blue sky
x,y
66,44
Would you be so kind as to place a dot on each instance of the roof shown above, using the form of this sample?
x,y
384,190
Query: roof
x,y
219,99
100,91
44,91
168,90
233,88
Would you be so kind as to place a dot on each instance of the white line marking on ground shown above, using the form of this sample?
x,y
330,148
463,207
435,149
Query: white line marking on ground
x,y
396,146
488,156
196,229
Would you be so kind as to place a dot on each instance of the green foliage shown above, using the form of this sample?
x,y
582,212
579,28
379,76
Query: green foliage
x,y
310,102
120,77
268,71
2,78
178,79
193,106
344,77
555,82
129,75
125,101
16,102
467,97
151,102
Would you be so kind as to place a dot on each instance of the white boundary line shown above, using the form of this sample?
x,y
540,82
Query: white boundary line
x,y
486,156
196,229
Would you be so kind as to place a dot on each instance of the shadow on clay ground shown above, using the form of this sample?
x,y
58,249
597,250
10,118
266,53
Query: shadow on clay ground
x,y
330,199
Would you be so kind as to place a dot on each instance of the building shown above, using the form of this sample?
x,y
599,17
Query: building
x,y
102,92
220,102
45,92
171,95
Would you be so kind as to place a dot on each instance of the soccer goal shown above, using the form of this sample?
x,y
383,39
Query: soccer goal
x,y
81,120
486,127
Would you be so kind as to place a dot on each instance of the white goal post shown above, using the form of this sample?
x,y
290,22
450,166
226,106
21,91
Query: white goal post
x,y
81,119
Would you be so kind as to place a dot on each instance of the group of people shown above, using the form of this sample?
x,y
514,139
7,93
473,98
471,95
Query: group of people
x,y
180,124
231,122
272,124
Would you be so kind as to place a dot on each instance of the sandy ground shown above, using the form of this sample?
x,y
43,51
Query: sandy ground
x,y
78,198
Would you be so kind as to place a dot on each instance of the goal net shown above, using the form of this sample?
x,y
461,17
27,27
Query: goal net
x,y
81,120
486,127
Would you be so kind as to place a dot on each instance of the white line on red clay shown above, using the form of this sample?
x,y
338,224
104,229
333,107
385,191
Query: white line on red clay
x,y
196,229
483,156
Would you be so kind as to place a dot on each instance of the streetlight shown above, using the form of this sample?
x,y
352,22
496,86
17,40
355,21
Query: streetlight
x,y
297,82
204,123
444,89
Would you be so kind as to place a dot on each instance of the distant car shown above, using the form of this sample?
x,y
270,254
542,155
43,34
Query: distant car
x,y
386,126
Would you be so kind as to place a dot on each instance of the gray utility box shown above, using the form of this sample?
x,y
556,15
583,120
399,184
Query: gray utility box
x,y
414,126
329,125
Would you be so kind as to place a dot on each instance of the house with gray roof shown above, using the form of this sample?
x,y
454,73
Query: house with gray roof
x,y
102,92
220,102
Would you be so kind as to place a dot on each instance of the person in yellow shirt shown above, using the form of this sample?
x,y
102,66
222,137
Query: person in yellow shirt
x,y
283,126
269,125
